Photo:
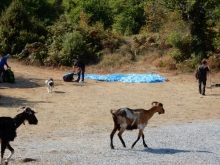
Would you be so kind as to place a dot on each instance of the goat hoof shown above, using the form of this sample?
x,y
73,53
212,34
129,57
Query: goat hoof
x,y
6,162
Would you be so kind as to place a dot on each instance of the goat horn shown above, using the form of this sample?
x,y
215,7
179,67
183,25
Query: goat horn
x,y
154,102
21,108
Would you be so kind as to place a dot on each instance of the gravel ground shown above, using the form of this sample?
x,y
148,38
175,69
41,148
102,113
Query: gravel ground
x,y
184,144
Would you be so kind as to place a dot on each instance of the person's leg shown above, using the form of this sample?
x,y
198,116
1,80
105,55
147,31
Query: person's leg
x,y
203,87
83,71
200,89
1,74
78,78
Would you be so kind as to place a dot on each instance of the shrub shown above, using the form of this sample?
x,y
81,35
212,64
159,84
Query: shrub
x,y
18,28
74,47
181,46
34,52
214,62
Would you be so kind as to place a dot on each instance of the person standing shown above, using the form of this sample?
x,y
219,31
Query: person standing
x,y
80,66
203,69
3,62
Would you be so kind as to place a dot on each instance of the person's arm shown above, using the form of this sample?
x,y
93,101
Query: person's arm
x,y
79,69
4,61
7,64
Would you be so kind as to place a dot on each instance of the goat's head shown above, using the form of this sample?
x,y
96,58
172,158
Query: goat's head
x,y
30,115
160,109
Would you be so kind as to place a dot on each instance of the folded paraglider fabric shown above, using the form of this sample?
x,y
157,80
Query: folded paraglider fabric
x,y
128,78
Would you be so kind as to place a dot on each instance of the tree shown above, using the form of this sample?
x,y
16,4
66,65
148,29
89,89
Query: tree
x,y
4,4
42,10
128,16
203,26
18,28
202,16
95,10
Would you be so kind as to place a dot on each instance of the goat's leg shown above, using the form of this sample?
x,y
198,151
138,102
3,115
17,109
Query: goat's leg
x,y
120,137
12,152
139,135
145,145
111,136
3,147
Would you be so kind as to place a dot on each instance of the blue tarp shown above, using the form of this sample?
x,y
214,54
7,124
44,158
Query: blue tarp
x,y
129,78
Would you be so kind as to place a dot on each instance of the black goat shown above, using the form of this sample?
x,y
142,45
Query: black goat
x,y
8,128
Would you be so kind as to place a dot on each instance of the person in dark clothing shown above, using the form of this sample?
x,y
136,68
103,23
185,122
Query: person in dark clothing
x,y
3,62
80,66
204,69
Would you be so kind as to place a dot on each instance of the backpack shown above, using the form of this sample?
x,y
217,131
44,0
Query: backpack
x,y
68,77
9,76
198,73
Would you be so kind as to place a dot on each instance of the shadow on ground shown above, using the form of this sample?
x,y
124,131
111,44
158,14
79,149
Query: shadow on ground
x,y
168,151
21,82
16,102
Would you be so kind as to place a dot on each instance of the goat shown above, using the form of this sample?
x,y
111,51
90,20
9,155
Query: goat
x,y
8,127
125,118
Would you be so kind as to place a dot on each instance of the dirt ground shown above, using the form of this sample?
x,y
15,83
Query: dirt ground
x,y
73,106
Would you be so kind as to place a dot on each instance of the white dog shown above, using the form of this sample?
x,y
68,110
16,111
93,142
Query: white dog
x,y
50,84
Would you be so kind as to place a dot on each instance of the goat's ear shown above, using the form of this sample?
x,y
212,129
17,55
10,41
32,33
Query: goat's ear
x,y
29,111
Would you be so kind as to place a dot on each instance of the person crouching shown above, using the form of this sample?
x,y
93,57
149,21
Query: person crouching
x,y
79,67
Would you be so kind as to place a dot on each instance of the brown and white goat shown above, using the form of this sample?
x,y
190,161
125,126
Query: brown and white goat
x,y
125,118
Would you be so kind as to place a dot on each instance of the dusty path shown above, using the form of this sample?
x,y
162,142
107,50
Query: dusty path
x,y
71,106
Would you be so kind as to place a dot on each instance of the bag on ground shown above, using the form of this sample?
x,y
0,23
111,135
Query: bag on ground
x,y
68,77
9,76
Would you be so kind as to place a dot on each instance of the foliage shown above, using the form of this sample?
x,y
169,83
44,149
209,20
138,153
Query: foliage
x,y
95,11
98,40
67,42
187,30
202,30
18,28
143,43
55,39
202,16
74,47
35,52
214,62
128,16
182,47
155,16
4,4
42,10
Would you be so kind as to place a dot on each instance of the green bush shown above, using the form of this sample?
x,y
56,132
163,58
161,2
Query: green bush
x,y
35,52
74,47
18,29
181,46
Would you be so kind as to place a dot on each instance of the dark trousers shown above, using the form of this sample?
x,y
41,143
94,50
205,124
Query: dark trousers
x,y
202,85
2,74
82,71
